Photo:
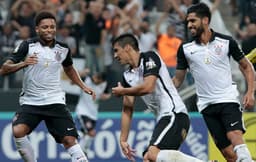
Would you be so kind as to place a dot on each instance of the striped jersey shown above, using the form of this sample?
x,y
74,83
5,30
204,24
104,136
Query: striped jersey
x,y
164,100
211,69
41,81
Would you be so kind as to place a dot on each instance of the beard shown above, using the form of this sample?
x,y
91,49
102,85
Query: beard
x,y
198,32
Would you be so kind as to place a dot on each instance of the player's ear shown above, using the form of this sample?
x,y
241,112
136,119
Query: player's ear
x,y
128,48
205,20
36,29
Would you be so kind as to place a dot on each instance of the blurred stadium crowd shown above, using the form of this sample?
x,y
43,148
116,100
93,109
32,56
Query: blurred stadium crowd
x,y
88,26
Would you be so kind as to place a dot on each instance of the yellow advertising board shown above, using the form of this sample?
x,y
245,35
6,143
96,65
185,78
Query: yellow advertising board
x,y
249,136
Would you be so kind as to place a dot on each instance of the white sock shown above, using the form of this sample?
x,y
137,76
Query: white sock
x,y
243,154
174,155
25,149
76,153
86,142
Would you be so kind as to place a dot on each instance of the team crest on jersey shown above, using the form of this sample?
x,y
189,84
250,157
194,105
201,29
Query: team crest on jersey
x,y
218,49
150,64
183,134
57,55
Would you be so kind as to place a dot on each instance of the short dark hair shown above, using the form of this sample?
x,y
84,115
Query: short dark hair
x,y
102,75
44,15
125,39
201,10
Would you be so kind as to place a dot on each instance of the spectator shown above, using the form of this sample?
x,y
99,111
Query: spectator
x,y
147,39
23,13
175,17
167,45
248,12
24,34
7,44
217,22
64,36
248,44
87,109
94,33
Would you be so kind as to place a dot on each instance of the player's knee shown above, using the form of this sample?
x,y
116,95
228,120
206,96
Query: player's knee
x,y
229,154
145,158
92,133
234,136
20,130
152,153
68,141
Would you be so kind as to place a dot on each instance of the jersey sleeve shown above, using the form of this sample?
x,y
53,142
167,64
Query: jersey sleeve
x,y
19,53
151,63
68,60
235,51
125,83
181,59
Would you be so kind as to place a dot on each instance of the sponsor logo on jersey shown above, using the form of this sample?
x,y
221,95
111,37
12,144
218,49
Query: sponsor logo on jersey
x,y
150,64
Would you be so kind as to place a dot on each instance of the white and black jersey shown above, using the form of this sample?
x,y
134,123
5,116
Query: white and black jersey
x,y
211,69
86,106
164,100
41,82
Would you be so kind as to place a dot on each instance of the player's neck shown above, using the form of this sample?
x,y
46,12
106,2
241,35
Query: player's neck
x,y
135,60
206,36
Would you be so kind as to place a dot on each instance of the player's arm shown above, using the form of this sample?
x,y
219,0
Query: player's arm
x,y
128,103
179,77
248,72
10,67
181,69
74,76
18,60
146,87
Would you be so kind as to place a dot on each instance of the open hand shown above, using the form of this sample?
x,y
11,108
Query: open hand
x,y
128,151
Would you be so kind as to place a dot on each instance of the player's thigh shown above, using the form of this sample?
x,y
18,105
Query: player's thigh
x,y
60,123
25,121
88,125
216,128
170,131
232,117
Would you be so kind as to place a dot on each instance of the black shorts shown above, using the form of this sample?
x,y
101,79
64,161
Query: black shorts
x,y
86,123
170,131
57,117
221,118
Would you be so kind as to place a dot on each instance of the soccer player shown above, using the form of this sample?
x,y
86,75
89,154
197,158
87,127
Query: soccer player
x,y
148,77
207,56
42,98
87,109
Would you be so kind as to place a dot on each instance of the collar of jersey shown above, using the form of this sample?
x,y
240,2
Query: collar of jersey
x,y
211,39
44,44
